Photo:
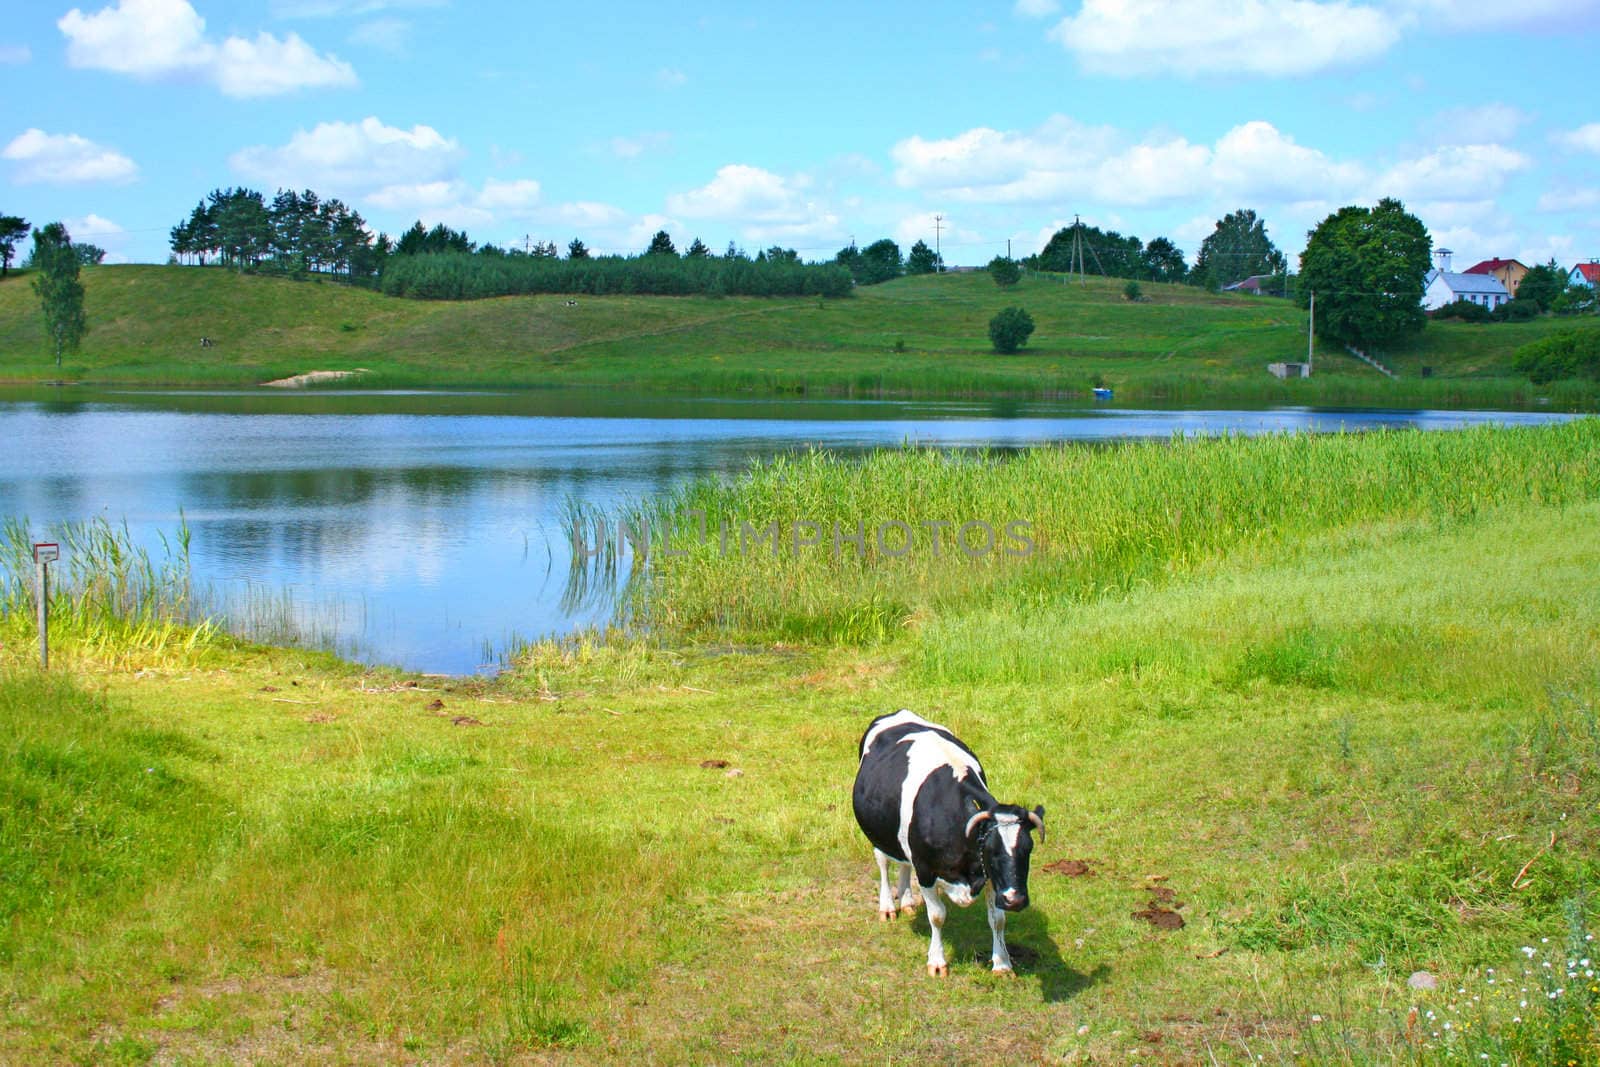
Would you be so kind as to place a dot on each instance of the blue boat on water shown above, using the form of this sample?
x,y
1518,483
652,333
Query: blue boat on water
x,y
1102,392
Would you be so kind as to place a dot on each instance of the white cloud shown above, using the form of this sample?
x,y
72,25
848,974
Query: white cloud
x,y
634,147
1037,9
509,197
1577,199
94,229
92,225
330,8
389,35
1224,37
1469,15
1456,172
457,203
765,206
737,191
349,158
158,38
1583,139
65,158
1064,158
671,78
14,54
922,226
1482,124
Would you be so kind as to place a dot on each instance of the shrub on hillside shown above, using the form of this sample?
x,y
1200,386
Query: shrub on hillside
x,y
1517,309
1010,329
1132,292
1004,271
1465,310
1569,354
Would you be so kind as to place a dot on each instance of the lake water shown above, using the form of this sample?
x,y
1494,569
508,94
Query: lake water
x,y
426,529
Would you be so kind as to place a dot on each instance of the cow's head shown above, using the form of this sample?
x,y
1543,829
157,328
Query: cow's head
x,y
1003,835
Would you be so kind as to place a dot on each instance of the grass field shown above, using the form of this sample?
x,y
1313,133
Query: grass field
x,y
918,335
1345,742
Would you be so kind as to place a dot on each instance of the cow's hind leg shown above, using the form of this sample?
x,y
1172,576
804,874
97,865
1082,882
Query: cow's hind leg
x,y
1001,959
909,896
937,967
886,905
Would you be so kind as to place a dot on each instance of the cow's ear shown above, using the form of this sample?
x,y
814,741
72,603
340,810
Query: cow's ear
x,y
1036,816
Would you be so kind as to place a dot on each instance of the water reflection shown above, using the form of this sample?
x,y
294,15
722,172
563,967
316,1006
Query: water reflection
x,y
419,525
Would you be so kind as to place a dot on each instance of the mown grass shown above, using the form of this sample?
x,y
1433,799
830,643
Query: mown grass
x,y
1355,740
924,336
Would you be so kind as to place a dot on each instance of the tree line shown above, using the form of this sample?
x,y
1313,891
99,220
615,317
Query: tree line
x,y
294,233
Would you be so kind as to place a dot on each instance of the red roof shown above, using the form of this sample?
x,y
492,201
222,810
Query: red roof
x,y
1590,271
1489,266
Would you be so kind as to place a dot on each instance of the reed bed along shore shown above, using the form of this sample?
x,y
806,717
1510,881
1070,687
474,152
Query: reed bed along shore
x,y
818,548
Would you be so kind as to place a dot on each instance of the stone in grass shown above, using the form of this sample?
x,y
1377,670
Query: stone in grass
x,y
1422,980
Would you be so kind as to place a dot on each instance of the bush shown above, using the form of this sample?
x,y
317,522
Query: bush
x,y
1465,310
1517,309
463,276
1133,292
1569,354
1004,271
1009,330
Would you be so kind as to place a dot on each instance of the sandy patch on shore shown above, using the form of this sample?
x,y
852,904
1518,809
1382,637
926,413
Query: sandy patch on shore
x,y
300,381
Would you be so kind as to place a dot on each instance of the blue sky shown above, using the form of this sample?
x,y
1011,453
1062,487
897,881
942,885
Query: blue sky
x,y
809,124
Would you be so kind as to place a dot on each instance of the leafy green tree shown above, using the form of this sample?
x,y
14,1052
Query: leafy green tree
x,y
13,228
1132,292
1101,252
1010,329
1237,249
778,254
1366,267
88,255
1163,261
697,250
1573,353
60,291
878,262
576,249
1542,284
661,245
921,259
1005,271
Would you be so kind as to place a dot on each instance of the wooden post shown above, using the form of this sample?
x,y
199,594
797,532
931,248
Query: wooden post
x,y
42,572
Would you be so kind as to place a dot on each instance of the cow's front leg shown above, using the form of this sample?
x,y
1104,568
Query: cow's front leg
x,y
909,898
886,905
1000,958
937,967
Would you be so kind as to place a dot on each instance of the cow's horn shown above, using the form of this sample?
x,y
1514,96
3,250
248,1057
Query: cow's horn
x,y
1037,818
972,823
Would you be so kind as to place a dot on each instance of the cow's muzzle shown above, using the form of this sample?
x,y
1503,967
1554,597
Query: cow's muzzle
x,y
1011,900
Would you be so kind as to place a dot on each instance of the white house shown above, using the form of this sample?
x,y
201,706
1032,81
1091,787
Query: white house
x,y
1585,274
1446,288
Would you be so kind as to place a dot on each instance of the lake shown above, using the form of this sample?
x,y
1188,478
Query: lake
x,y
426,529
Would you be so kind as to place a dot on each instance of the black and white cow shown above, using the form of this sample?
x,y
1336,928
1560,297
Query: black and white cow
x,y
921,799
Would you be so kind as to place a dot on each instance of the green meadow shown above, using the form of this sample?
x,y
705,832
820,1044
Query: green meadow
x,y
1332,702
924,335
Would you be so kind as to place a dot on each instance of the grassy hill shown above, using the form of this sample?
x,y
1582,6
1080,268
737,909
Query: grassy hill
x,y
917,335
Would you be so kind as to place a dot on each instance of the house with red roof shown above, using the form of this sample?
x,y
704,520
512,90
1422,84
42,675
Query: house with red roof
x,y
1510,272
1585,274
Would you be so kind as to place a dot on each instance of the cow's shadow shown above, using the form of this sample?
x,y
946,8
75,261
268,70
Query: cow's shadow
x,y
1033,950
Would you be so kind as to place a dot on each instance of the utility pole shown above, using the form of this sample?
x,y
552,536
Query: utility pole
x,y
525,239
1311,327
938,254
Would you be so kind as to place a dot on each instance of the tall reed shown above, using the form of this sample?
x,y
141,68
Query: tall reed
x,y
1097,519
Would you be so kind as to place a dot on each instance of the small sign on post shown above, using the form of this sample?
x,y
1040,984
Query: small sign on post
x,y
44,554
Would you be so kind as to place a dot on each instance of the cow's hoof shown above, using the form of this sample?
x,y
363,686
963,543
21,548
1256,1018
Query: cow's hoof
x,y
938,970
888,915
908,909
1005,972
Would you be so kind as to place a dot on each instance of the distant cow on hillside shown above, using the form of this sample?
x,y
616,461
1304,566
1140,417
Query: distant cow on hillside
x,y
921,799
